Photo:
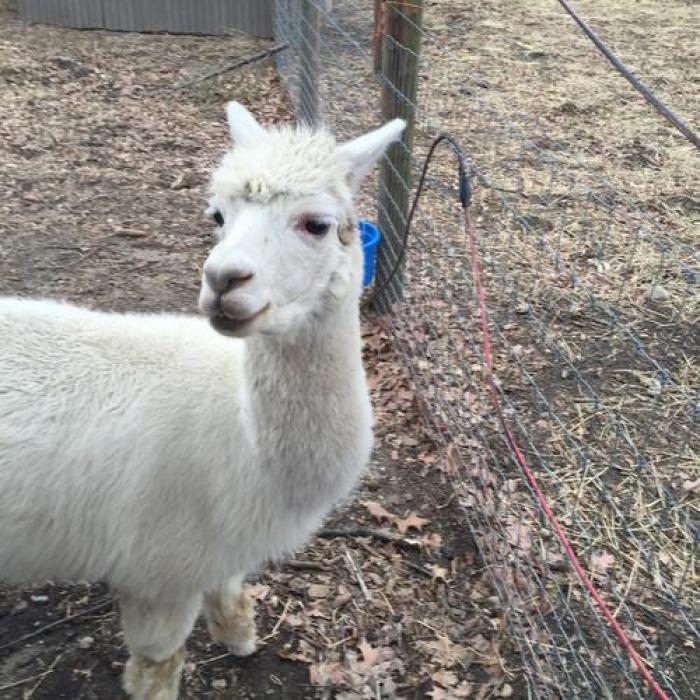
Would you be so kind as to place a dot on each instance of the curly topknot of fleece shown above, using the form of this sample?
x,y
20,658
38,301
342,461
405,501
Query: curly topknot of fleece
x,y
292,162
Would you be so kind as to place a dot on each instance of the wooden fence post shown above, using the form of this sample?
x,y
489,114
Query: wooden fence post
x,y
399,75
377,35
308,62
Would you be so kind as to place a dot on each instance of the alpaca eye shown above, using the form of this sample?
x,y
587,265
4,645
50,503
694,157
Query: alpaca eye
x,y
316,227
218,218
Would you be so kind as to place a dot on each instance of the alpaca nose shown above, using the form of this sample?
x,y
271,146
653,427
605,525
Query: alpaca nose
x,y
224,278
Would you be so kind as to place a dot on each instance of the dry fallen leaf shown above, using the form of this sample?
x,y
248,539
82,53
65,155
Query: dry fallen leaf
x,y
355,674
445,678
370,654
378,511
463,690
318,590
439,572
453,461
691,486
443,651
601,562
333,673
431,541
412,520
295,620
519,536
304,652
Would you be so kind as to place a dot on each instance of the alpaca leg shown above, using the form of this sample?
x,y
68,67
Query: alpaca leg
x,y
231,617
156,638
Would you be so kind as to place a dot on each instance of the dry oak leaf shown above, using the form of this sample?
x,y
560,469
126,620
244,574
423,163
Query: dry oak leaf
x,y
295,620
318,590
378,511
519,536
443,651
332,673
412,520
439,572
600,563
370,654
445,678
355,674
431,541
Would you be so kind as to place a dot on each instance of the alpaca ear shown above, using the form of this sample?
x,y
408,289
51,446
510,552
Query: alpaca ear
x,y
364,151
242,124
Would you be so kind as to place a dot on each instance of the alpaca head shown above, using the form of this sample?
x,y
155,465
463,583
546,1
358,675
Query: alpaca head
x,y
289,251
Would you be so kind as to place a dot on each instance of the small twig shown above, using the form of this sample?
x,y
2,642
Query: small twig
x,y
52,625
102,242
127,233
211,660
259,56
264,640
358,575
279,622
38,678
56,246
625,596
447,502
420,569
337,643
28,694
381,535
387,603
303,565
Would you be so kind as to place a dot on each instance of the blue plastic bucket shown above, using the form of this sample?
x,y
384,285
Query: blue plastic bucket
x,y
370,236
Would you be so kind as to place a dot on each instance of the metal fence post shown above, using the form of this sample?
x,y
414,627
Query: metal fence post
x,y
308,61
402,24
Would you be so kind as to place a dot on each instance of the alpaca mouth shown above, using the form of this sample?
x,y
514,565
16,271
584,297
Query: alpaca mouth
x,y
227,324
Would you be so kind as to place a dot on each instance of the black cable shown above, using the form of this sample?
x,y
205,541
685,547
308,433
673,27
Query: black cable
x,y
465,196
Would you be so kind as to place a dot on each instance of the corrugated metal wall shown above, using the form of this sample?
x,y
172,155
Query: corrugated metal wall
x,y
176,16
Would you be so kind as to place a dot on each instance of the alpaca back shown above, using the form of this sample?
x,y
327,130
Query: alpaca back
x,y
103,425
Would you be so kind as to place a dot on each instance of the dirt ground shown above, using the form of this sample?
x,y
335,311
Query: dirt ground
x,y
103,172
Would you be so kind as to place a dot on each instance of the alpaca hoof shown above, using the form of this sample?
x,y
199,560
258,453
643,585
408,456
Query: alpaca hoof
x,y
244,648
151,680
231,621
238,638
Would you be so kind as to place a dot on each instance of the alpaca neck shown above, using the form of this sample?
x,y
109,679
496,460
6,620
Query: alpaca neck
x,y
282,373
308,408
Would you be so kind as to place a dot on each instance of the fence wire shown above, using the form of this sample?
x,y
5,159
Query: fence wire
x,y
594,299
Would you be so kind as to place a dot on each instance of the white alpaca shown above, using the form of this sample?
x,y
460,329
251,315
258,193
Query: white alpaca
x,y
161,456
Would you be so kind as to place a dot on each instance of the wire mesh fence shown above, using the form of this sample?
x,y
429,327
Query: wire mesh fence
x,y
593,288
